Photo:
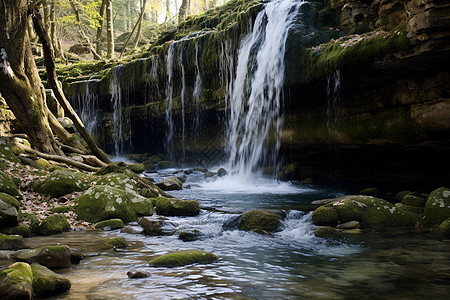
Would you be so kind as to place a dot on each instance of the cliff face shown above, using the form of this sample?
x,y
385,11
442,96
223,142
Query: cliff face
x,y
385,117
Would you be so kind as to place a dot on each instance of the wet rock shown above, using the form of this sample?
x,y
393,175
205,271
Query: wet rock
x,y
443,230
437,207
413,209
137,274
9,215
115,243
62,182
208,174
67,123
259,219
22,230
325,216
151,226
76,256
54,224
11,242
118,180
189,235
163,164
101,203
349,225
222,172
148,193
412,200
177,207
137,168
116,167
327,232
49,256
149,165
288,172
182,258
232,223
170,184
47,283
7,185
16,282
110,224
132,229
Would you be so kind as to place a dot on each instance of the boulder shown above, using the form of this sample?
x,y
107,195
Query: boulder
x,y
372,191
259,219
170,184
437,207
7,185
413,209
80,49
182,258
443,230
176,207
115,243
102,202
412,200
208,174
16,282
49,256
34,222
118,180
137,168
189,235
132,229
54,224
116,167
327,232
62,182
11,242
163,164
110,224
22,230
137,274
325,216
222,172
47,283
349,225
9,211
152,226
149,165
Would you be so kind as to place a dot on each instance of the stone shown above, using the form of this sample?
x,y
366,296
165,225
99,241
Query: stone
x,y
110,224
80,49
372,191
34,222
115,243
67,124
22,230
443,230
413,209
349,225
189,235
61,182
118,180
54,224
308,181
437,207
325,216
137,168
208,174
259,219
76,256
16,282
399,196
132,229
412,200
170,184
47,283
163,164
327,232
151,226
49,256
149,165
101,203
222,172
176,207
11,242
9,211
232,223
116,167
8,186
182,258
137,274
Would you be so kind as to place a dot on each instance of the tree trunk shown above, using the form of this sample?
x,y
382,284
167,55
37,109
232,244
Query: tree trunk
x,y
98,39
53,29
138,34
110,30
184,8
20,82
46,7
167,17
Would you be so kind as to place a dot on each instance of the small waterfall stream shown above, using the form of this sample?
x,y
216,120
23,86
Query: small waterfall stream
x,y
169,96
87,106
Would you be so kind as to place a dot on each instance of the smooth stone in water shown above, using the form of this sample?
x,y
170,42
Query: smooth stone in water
x,y
54,224
349,225
259,219
11,242
182,258
170,184
176,207
47,283
110,224
16,282
137,274
327,232
49,256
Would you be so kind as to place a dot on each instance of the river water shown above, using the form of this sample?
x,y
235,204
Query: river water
x,y
294,264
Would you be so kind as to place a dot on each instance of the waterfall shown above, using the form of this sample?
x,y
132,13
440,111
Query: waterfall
x,y
333,124
87,107
197,91
119,125
183,95
169,94
255,97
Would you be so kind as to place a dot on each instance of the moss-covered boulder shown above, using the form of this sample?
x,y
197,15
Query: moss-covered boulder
x,y
6,152
259,219
372,212
7,185
118,180
110,224
22,230
49,256
137,168
47,283
437,207
61,182
102,202
9,211
116,167
413,209
164,164
170,184
325,216
151,226
115,243
11,242
16,282
327,232
222,172
34,222
182,258
443,230
54,224
176,207
413,200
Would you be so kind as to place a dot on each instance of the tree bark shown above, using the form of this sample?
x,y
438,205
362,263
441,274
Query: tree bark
x,y
134,28
56,87
183,12
138,34
109,30
98,39
20,82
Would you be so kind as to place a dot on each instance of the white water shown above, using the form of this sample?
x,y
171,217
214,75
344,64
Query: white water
x,y
197,91
88,106
169,96
116,101
256,92
183,96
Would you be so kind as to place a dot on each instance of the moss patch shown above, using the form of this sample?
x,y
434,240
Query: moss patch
x,y
325,216
16,282
7,185
48,283
182,258
176,207
118,242
259,219
54,224
118,180
327,232
437,207
110,224
62,182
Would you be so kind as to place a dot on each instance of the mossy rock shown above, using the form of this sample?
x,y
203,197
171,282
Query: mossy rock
x,y
47,283
110,224
61,209
176,207
288,172
443,230
208,174
437,207
164,164
372,212
118,243
137,168
349,225
49,256
222,172
9,211
61,182
34,222
149,165
118,180
412,200
116,167
183,258
170,184
259,219
43,163
413,209
325,216
102,202
149,194
327,232
189,235
54,224
16,282
399,196
151,226
8,186
22,230
11,242
372,191
6,153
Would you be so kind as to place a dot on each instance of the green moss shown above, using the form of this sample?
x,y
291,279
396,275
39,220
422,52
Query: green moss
x,y
259,219
176,207
62,182
61,209
327,232
163,164
48,283
437,207
137,168
443,230
118,242
7,185
110,224
117,167
22,230
413,200
34,222
182,258
10,200
16,281
325,216
54,224
118,180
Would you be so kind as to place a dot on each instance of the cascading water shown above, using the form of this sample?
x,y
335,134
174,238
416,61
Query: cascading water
x,y
169,96
117,105
334,98
197,91
183,96
87,106
256,93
